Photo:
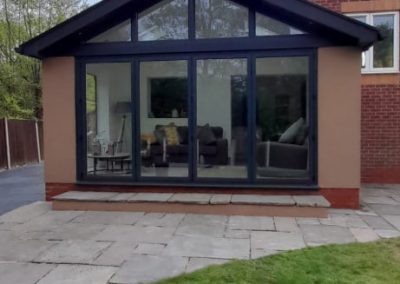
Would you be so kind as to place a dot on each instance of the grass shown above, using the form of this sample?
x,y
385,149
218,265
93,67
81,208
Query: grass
x,y
370,263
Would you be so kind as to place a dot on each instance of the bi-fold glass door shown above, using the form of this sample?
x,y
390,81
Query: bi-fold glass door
x,y
206,119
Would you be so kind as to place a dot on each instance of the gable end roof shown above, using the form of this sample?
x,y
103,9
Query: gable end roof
x,y
316,18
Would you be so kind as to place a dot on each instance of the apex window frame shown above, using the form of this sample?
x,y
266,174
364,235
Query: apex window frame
x,y
369,54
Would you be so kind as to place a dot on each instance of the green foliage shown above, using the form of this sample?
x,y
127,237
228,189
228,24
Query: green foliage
x,y
21,20
372,263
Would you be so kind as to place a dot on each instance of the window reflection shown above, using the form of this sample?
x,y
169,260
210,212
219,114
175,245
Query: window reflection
x,y
220,19
166,20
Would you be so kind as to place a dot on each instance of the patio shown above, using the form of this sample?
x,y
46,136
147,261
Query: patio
x,y
100,247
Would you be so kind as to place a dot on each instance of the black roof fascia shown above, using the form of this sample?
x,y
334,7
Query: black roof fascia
x,y
34,46
366,34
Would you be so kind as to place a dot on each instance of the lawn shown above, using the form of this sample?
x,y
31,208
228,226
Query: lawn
x,y
369,263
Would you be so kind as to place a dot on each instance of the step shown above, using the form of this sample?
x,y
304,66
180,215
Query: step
x,y
196,203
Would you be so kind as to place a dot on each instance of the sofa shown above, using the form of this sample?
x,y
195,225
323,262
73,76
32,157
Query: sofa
x,y
215,153
287,156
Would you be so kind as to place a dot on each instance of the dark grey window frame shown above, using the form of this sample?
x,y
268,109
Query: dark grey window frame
x,y
192,180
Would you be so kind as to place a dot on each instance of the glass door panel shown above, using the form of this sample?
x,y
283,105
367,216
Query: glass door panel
x,y
222,118
283,117
108,119
164,134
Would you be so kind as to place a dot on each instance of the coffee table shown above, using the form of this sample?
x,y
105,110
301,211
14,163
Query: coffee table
x,y
120,157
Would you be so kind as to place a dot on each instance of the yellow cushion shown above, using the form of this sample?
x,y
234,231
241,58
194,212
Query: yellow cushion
x,y
171,135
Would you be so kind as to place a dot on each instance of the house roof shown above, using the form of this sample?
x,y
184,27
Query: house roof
x,y
299,13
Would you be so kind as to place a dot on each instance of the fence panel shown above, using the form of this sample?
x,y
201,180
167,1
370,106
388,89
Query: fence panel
x,y
3,147
23,145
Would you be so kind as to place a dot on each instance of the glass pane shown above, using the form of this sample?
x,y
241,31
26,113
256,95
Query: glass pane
x,y
119,33
163,119
282,117
221,18
360,18
266,26
222,118
384,50
108,119
166,20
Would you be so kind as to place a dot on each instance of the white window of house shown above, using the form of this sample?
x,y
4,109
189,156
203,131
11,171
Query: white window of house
x,y
383,57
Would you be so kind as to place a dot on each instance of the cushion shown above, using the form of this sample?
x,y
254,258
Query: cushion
x,y
205,135
302,135
171,135
289,136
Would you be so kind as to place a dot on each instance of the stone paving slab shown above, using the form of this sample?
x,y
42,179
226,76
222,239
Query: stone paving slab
x,y
387,234
311,201
212,230
190,198
146,268
383,209
340,220
193,219
221,199
150,197
160,220
279,200
73,252
326,234
136,234
79,274
85,196
277,241
23,273
394,220
121,197
23,250
109,218
74,231
48,221
208,247
380,200
116,254
251,223
376,222
26,213
284,224
364,235
149,249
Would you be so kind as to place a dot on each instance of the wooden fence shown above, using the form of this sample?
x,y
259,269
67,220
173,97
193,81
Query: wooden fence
x,y
21,142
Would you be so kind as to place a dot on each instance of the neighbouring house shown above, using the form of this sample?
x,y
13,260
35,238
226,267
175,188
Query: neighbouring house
x,y
260,97
380,95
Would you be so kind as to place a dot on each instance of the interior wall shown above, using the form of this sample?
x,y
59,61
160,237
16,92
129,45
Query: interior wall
x,y
113,85
339,117
58,97
152,70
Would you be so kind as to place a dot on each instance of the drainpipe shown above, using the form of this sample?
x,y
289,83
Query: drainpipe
x,y
7,143
38,141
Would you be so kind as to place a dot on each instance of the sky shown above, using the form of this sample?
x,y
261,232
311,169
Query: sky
x,y
91,2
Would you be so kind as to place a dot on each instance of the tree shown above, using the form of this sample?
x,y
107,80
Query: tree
x,y
21,20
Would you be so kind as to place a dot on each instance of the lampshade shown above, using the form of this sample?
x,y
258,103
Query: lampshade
x,y
123,107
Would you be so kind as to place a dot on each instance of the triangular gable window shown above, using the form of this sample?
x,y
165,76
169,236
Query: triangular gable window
x,y
221,19
118,33
165,20
266,26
